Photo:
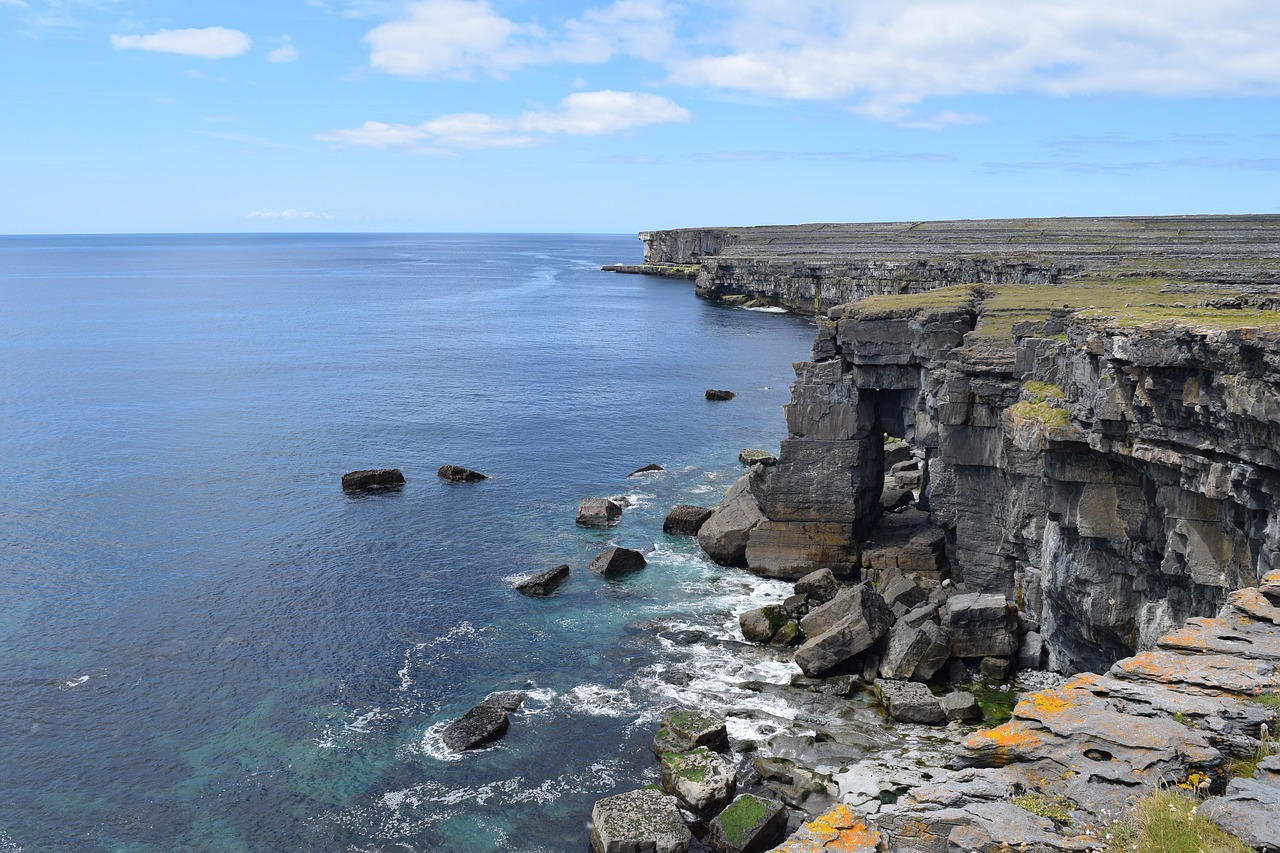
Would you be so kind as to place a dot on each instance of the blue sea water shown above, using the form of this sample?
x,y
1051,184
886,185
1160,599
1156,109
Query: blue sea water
x,y
206,645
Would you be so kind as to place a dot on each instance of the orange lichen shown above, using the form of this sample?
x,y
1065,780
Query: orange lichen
x,y
837,831
1049,703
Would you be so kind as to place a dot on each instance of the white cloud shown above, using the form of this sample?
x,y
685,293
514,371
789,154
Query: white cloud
x,y
21,4
208,43
887,56
284,53
286,215
455,39
580,114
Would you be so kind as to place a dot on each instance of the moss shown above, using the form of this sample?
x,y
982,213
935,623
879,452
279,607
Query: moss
x,y
1166,822
996,704
1057,808
743,815
1041,391
1041,413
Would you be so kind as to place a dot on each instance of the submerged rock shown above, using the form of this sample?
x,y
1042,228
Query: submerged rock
x,y
598,512
458,474
644,821
615,562
544,583
717,395
374,478
481,725
648,469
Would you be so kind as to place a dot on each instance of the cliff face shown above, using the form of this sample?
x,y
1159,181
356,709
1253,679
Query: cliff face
x,y
1103,451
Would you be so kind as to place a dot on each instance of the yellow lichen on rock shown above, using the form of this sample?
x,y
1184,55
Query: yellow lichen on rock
x,y
837,831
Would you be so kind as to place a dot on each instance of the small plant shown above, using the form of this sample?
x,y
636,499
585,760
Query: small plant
x,y
1166,822
1041,413
1056,808
1041,391
1271,700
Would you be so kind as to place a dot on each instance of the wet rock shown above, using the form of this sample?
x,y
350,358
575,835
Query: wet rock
x,y
757,457
981,624
750,824
724,535
648,469
644,821
686,520
789,634
718,395
1249,810
378,478
961,705
759,625
820,586
615,562
910,702
481,725
793,782
506,700
846,625
838,829
702,780
544,583
458,474
686,730
598,512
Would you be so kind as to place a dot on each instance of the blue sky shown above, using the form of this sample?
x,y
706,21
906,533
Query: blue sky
x,y
511,115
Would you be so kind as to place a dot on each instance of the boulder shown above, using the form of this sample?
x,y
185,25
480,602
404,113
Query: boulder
x,y
598,512
996,669
788,635
907,542
683,731
648,469
506,700
757,457
961,705
899,590
377,478
916,650
544,583
700,779
458,474
760,625
793,549
724,535
643,821
910,702
846,625
820,586
686,520
982,625
1250,810
481,725
748,825
717,395
793,782
614,562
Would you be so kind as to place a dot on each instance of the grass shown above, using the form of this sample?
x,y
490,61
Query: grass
x,y
1041,391
908,304
1056,808
1165,822
742,815
1271,700
1041,413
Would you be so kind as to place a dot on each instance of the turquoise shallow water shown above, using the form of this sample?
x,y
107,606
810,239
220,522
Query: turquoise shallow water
x,y
206,645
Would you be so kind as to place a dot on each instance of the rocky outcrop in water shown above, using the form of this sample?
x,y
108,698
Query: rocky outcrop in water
x,y
374,478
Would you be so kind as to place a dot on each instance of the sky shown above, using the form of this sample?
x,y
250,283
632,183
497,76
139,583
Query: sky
x,y
126,116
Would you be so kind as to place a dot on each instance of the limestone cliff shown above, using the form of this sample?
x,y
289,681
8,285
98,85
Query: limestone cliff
x,y
1104,450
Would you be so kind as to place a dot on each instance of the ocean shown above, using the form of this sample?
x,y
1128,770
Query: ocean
x,y
206,645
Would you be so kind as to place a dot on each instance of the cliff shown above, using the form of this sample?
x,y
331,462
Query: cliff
x,y
1099,443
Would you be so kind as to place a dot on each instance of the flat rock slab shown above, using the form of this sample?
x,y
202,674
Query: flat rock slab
x,y
481,725
644,821
686,730
1207,673
374,478
749,824
1241,637
686,520
757,457
839,829
544,583
1250,810
615,562
598,512
458,474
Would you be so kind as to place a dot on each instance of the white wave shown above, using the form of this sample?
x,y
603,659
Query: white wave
x,y
432,743
75,682
770,310
463,630
600,701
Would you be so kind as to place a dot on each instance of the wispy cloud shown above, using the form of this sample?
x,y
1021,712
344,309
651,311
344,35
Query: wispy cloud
x,y
21,4
580,114
207,43
286,52
918,158
1114,168
287,215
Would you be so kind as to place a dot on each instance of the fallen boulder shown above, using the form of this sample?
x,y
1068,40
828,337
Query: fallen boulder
x,y
910,702
458,474
760,625
700,779
846,625
982,625
544,583
683,731
724,535
598,512
820,586
643,821
961,705
686,520
481,725
718,395
613,562
749,824
376,478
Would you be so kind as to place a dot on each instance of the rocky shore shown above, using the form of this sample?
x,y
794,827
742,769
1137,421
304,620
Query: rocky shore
x,y
1019,446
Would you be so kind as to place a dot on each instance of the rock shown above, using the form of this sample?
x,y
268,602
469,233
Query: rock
x,y
643,821
458,474
793,782
598,512
544,583
724,535
789,634
982,625
750,824
1269,770
713,394
792,549
700,779
615,562
796,606
378,478
1031,651
916,650
996,669
905,543
506,700
481,725
895,497
1250,810
910,702
896,453
759,625
820,586
848,624
757,457
648,469
897,589
961,705
686,730
686,520
839,829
